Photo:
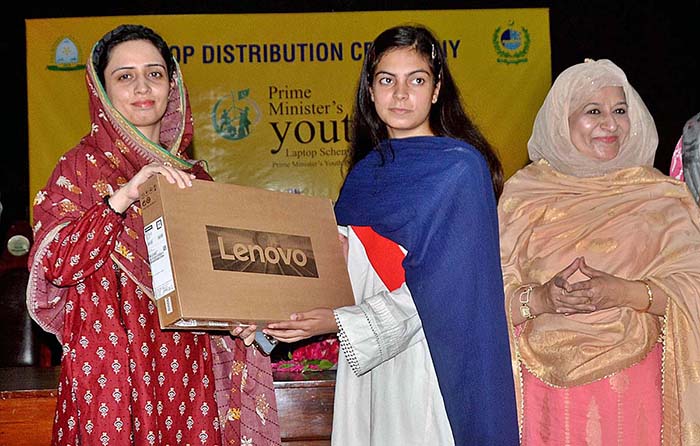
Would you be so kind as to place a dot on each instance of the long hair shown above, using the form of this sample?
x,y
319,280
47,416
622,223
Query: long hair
x,y
447,115
125,33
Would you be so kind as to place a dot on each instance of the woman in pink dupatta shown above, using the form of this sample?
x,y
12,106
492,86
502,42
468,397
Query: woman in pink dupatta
x,y
601,261
124,381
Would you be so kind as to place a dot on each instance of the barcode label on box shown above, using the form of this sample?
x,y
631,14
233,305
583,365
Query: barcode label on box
x,y
159,257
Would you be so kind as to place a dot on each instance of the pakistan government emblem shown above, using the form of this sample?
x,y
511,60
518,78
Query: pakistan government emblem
x,y
234,115
511,44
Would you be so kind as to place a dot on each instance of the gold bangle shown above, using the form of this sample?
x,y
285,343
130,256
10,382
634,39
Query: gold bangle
x,y
524,298
650,295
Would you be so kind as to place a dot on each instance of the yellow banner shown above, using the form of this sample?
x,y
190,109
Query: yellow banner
x,y
272,93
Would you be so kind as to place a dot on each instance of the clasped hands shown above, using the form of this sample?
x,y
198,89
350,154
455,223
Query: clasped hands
x,y
600,291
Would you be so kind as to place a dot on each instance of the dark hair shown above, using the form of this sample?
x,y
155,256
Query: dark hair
x,y
447,115
125,33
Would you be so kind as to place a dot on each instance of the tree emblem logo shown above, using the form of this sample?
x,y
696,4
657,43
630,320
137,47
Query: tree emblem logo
x,y
66,56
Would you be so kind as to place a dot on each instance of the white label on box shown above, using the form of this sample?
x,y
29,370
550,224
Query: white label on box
x,y
186,323
159,258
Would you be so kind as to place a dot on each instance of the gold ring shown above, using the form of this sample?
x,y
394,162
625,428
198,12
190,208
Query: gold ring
x,y
563,292
167,164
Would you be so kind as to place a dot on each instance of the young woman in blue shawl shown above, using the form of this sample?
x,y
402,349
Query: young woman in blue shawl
x,y
425,356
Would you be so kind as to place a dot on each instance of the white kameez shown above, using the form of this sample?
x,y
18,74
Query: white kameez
x,y
386,389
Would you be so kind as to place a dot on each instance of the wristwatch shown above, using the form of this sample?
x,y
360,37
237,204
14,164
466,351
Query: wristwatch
x,y
524,301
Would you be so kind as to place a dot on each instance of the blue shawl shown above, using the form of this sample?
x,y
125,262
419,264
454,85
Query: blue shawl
x,y
435,198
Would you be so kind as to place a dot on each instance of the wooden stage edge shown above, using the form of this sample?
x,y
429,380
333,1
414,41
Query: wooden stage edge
x,y
28,402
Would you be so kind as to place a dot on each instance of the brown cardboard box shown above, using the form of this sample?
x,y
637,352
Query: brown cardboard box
x,y
224,255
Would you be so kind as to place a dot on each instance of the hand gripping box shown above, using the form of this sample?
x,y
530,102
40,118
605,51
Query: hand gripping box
x,y
224,255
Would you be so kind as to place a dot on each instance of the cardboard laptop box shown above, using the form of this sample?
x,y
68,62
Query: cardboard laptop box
x,y
224,255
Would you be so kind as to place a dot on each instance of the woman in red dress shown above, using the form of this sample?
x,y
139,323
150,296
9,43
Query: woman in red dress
x,y
124,380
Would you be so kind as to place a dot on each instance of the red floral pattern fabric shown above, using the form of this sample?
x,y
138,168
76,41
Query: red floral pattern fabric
x,y
123,380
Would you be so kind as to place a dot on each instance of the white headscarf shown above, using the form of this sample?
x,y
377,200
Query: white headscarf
x,y
551,136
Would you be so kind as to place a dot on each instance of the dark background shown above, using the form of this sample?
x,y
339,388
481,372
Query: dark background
x,y
655,43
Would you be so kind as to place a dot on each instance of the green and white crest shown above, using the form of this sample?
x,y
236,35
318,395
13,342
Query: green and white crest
x,y
511,43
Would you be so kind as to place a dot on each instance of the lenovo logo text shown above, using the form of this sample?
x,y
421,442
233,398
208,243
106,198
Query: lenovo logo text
x,y
243,250
258,253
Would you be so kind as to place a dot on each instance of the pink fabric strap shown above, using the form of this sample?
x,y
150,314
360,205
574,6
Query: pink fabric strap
x,y
676,170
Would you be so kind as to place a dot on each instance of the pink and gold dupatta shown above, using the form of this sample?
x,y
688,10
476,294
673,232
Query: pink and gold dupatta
x,y
635,223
